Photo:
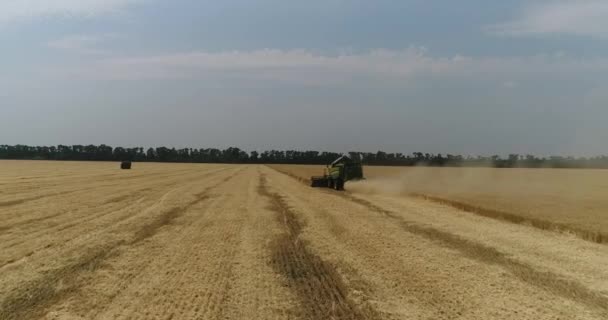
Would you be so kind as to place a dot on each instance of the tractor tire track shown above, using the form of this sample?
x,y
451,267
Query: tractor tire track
x,y
157,179
320,289
31,298
545,280
542,279
110,211
26,301
183,273
168,217
592,236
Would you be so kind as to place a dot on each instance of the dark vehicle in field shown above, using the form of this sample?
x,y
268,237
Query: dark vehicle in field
x,y
337,173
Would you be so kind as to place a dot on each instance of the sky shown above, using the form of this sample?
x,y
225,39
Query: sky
x,y
462,77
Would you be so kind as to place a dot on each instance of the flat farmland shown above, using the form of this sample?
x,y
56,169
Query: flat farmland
x,y
567,200
84,240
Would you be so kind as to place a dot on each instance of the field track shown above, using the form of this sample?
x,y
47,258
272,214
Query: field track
x,y
181,241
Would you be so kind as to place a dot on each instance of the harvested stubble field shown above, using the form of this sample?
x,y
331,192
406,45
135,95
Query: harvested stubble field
x,y
186,241
568,200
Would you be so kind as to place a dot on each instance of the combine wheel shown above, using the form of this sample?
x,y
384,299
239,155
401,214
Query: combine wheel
x,y
318,182
339,184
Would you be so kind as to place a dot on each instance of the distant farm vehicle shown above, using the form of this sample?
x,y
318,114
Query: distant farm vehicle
x,y
125,165
338,173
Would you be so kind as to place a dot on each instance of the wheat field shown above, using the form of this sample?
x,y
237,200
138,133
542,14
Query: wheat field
x,y
84,240
567,200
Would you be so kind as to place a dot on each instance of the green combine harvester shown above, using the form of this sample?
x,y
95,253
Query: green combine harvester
x,y
337,173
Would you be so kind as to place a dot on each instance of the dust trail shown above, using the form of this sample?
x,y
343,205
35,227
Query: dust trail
x,y
319,287
448,195
474,250
560,200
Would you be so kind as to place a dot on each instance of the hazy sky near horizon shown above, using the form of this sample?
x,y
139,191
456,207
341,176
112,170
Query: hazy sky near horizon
x,y
467,77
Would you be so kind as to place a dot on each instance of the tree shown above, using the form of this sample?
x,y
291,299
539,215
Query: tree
x,y
236,155
254,157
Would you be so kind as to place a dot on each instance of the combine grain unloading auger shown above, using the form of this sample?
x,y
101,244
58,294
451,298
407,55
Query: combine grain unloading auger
x,y
337,173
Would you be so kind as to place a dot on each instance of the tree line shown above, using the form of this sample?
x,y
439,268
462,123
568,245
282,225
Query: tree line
x,y
236,155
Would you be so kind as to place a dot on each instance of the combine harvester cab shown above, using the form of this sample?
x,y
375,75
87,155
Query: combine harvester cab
x,y
337,173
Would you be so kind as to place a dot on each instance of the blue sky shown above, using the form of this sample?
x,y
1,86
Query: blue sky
x,y
470,77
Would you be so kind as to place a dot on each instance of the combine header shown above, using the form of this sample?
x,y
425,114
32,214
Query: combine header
x,y
337,173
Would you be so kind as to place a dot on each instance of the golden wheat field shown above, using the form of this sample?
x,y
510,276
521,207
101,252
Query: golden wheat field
x,y
84,240
573,201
